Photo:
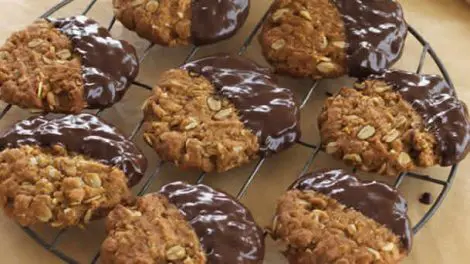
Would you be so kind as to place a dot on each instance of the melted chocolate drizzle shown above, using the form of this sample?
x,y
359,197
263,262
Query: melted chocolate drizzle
x,y
108,65
443,113
226,229
214,20
83,134
375,200
267,109
375,31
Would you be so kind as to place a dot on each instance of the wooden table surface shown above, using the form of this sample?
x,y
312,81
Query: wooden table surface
x,y
445,239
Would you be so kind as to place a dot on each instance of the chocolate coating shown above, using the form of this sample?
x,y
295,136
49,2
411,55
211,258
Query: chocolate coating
x,y
375,200
443,113
84,134
108,65
268,110
226,229
214,20
375,31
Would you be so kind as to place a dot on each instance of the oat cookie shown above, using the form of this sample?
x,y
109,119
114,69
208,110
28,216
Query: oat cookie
x,y
82,134
182,22
331,217
65,171
184,224
65,65
395,122
52,186
151,231
219,112
330,38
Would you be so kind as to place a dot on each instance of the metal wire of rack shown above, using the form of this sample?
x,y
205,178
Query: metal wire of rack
x,y
315,148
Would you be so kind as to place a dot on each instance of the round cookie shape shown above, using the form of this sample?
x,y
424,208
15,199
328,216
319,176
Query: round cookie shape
x,y
329,216
394,122
65,65
443,114
329,38
172,23
257,97
219,112
375,200
84,134
226,229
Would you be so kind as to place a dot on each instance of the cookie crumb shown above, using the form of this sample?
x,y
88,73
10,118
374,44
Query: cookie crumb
x,y
426,198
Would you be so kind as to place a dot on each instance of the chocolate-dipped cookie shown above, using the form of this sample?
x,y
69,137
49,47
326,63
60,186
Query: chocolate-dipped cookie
x,y
182,22
330,38
396,121
219,112
183,223
65,171
331,217
65,65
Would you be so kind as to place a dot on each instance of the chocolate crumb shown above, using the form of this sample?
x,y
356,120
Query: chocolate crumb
x,y
426,198
328,94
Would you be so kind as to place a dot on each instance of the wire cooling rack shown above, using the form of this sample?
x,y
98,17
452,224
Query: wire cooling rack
x,y
315,148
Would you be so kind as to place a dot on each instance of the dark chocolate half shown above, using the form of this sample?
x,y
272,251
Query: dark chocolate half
x,y
226,228
108,65
373,199
83,134
436,102
268,110
375,33
215,20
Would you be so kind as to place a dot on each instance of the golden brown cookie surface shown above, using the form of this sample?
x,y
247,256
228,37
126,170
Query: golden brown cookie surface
x,y
39,71
65,65
330,217
54,187
329,38
305,38
219,112
187,124
182,22
83,134
396,121
152,231
376,130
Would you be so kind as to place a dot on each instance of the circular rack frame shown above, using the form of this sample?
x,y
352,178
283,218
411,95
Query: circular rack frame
x,y
445,185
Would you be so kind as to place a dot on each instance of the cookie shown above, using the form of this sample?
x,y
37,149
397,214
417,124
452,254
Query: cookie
x,y
218,113
65,65
50,185
66,171
82,134
182,22
330,38
151,231
395,122
183,223
331,217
